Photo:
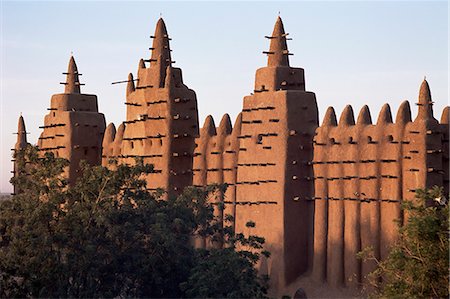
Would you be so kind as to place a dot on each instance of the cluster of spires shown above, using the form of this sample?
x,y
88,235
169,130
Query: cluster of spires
x,y
278,55
385,116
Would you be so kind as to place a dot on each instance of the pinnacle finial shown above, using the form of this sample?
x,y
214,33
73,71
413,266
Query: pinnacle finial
x,y
385,116
225,127
364,117
403,113
347,117
110,134
130,85
330,118
209,127
278,52
160,46
425,103
21,134
72,78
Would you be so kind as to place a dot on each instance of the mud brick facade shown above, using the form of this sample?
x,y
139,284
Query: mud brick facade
x,y
318,193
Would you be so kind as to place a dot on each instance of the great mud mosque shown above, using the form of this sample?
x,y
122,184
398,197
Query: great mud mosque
x,y
319,192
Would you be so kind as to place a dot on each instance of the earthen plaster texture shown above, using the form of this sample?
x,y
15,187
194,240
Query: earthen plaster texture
x,y
318,194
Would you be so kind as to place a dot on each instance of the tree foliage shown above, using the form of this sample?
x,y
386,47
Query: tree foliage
x,y
110,236
418,264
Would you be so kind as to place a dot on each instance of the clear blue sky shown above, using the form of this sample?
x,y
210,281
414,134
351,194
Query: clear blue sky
x,y
353,52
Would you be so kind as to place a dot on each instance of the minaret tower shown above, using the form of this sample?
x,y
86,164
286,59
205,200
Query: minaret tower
x,y
20,144
274,180
73,129
162,118
423,164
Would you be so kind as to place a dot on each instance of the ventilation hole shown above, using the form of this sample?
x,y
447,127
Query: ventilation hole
x,y
259,139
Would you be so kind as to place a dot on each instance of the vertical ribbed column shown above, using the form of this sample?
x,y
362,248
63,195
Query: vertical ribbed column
x,y
388,144
321,195
368,186
230,163
349,182
201,163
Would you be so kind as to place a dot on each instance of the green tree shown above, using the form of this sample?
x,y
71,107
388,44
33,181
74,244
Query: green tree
x,y
107,236
418,264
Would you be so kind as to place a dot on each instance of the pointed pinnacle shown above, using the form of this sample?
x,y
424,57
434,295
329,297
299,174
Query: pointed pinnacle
x,y
225,127
330,118
385,116
169,81
130,85
209,128
21,134
72,79
237,125
141,64
161,45
347,117
110,134
278,52
364,117
425,102
403,113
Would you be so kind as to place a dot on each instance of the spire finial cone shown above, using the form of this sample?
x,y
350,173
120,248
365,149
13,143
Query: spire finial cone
x,y
347,117
225,127
161,45
130,85
330,118
72,79
364,117
278,52
403,113
21,134
425,102
209,127
385,116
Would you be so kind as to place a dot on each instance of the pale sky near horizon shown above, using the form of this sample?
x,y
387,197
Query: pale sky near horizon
x,y
353,52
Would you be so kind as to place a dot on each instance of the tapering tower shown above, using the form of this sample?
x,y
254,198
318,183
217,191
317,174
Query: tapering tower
x,y
21,143
73,128
423,161
162,118
274,180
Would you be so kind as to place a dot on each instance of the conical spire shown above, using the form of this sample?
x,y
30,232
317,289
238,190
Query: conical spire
x,y
225,125
110,134
160,47
237,125
425,102
445,115
169,81
278,52
21,134
347,117
385,116
141,64
130,85
118,140
209,128
364,117
403,113
330,118
72,79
